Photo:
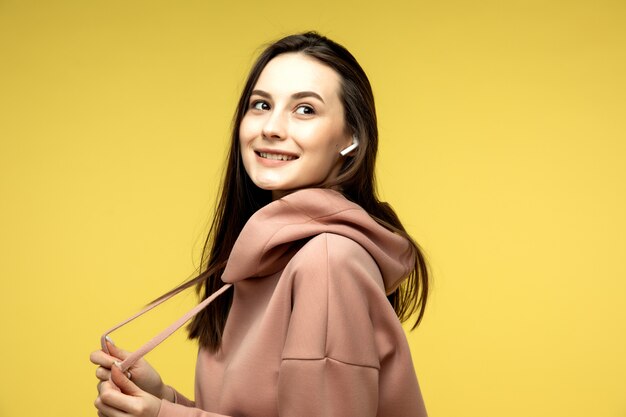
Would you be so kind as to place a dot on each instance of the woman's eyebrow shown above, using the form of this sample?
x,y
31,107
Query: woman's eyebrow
x,y
260,93
301,94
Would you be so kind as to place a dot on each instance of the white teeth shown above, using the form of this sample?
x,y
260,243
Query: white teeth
x,y
277,157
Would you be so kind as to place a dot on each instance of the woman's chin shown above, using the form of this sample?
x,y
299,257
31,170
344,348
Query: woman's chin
x,y
267,186
278,190
270,183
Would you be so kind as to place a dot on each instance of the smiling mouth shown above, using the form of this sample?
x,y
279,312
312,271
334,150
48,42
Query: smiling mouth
x,y
276,156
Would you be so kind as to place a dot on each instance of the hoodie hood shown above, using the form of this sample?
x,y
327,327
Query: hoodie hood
x,y
275,232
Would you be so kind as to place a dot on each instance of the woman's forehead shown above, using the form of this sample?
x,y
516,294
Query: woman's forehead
x,y
291,73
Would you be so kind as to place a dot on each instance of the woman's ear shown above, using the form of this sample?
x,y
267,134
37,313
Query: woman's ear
x,y
353,146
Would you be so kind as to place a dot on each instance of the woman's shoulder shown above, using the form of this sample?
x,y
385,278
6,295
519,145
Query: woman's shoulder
x,y
338,297
333,257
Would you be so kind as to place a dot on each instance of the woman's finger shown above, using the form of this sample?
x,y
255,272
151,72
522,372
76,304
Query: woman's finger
x,y
109,386
106,410
103,374
118,401
115,351
100,358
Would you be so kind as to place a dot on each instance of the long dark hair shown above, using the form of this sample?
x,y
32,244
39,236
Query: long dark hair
x,y
240,197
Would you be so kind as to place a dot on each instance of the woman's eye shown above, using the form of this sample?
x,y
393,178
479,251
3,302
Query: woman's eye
x,y
306,110
260,105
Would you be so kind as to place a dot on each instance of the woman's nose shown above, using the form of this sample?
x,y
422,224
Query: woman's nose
x,y
275,126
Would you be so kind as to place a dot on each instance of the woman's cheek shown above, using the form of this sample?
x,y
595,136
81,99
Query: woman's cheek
x,y
246,131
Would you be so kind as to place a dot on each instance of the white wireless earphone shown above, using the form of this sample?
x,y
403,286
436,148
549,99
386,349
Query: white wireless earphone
x,y
355,143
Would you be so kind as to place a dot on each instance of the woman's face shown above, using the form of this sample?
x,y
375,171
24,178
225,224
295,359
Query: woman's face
x,y
293,129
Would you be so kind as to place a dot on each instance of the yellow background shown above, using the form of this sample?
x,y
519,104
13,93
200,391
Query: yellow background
x,y
503,148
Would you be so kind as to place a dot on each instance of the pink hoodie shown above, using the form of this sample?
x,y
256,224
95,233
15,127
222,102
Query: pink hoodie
x,y
310,331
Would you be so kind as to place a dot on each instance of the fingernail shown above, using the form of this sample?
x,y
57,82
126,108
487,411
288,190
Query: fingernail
x,y
110,340
118,364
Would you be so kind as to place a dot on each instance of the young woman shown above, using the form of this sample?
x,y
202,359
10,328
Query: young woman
x,y
320,270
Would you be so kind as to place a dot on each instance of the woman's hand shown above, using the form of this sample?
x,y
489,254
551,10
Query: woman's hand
x,y
120,397
142,374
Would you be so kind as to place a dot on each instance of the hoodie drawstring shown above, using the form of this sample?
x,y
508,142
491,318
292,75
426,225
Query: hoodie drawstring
x,y
127,363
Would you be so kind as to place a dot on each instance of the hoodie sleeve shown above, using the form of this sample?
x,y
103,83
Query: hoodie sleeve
x,y
345,352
